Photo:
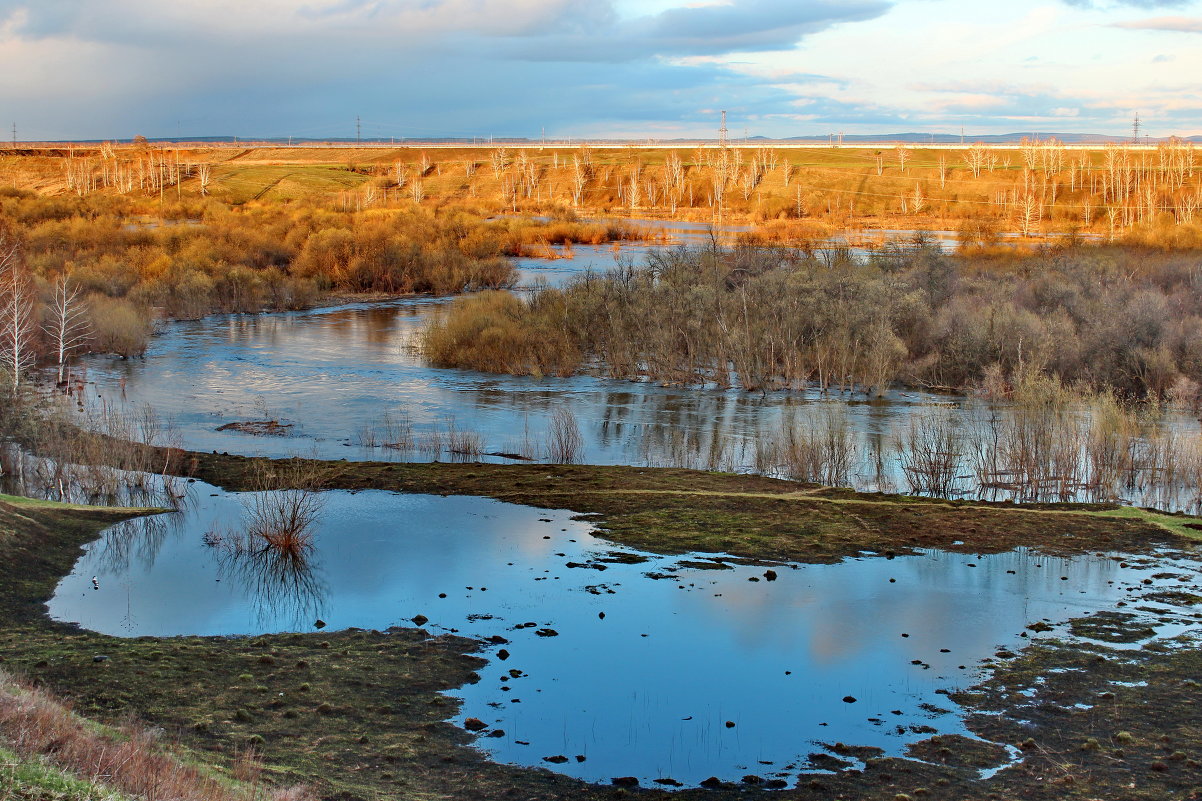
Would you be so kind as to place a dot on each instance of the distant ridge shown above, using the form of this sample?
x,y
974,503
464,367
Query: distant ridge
x,y
989,139
480,141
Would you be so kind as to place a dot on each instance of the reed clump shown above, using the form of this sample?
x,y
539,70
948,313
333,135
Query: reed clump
x,y
498,332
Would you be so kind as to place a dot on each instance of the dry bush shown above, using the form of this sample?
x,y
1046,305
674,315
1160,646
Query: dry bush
x,y
118,326
564,440
284,505
931,451
820,448
496,332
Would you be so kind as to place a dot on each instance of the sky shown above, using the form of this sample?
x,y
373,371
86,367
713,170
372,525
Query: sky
x,y
96,69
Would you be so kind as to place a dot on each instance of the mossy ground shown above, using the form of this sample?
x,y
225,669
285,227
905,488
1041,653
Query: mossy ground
x,y
360,714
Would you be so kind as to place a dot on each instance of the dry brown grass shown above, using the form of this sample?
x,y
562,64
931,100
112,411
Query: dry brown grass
x,y
132,760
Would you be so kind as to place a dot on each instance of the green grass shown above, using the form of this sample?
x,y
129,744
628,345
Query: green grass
x,y
34,780
39,503
237,183
1177,524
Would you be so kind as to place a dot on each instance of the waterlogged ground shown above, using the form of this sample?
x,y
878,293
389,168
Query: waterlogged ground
x,y
607,662
332,377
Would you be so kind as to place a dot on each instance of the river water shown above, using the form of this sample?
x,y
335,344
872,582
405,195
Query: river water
x,y
335,376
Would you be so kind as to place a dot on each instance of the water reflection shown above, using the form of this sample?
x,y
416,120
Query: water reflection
x,y
335,373
283,588
641,659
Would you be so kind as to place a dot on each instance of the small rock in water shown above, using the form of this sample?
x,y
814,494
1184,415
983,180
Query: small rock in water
x,y
319,624
502,654
420,620
581,757
474,724
625,781
497,733
558,759
547,633
849,699
601,615
730,724
770,575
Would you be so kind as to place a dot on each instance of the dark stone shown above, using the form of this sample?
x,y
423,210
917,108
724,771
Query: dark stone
x,y
319,624
712,783
849,699
730,724
770,575
558,759
98,658
474,724
547,633
502,654
420,620
625,781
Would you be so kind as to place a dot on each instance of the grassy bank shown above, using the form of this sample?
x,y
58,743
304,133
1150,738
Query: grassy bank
x,y
359,714
676,511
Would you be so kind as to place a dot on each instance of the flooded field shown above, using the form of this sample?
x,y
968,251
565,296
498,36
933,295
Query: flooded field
x,y
604,661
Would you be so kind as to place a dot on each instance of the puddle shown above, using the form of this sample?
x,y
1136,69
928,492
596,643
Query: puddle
x,y
700,672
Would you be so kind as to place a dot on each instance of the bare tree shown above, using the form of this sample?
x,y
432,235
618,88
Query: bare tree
x,y
1028,210
18,322
903,155
975,158
67,327
500,160
579,179
204,174
918,199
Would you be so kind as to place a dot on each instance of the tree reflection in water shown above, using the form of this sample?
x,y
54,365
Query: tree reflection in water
x,y
281,585
138,539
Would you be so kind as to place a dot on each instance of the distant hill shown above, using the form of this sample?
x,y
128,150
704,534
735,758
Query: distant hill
x,y
846,139
989,139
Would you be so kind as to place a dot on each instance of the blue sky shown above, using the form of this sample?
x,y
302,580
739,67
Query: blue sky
x,y
589,68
